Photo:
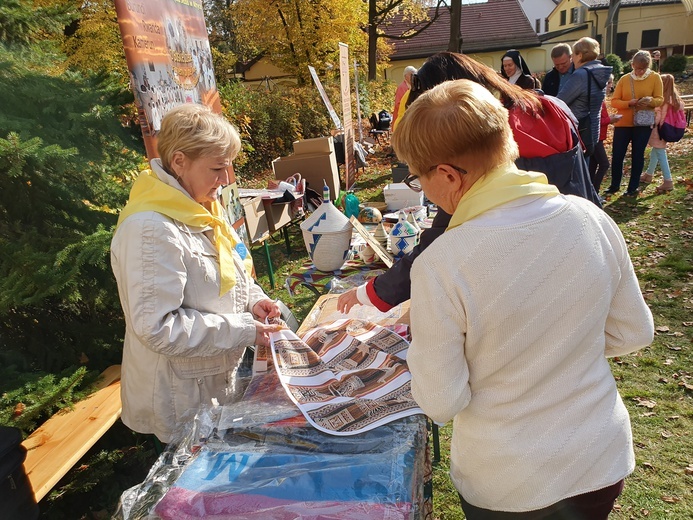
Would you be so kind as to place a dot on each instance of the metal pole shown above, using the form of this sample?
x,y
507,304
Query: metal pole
x,y
358,101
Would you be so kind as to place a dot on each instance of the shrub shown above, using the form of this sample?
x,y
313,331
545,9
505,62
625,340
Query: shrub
x,y
616,64
675,63
270,121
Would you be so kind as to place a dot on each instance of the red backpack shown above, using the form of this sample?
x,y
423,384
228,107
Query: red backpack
x,y
673,127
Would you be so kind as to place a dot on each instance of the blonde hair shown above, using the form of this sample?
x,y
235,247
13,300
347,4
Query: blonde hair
x,y
459,122
642,57
197,132
670,93
587,47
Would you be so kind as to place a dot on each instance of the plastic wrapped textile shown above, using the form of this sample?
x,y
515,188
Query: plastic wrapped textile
x,y
282,470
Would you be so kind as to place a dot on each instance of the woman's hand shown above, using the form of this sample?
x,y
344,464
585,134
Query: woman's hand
x,y
644,101
266,309
347,300
263,331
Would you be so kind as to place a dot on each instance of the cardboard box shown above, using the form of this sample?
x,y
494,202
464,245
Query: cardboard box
x,y
278,215
399,195
313,164
255,219
317,145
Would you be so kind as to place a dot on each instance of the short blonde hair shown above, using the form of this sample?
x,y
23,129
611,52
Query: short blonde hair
x,y
587,47
458,122
197,132
642,57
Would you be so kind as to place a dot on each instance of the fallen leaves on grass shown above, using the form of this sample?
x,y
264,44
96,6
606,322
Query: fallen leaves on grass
x,y
647,403
670,500
686,385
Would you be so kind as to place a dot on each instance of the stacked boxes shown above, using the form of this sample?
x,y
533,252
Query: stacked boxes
x,y
315,160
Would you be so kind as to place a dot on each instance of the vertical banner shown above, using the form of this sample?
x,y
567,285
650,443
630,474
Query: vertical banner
x,y
325,99
170,63
349,162
169,59
358,101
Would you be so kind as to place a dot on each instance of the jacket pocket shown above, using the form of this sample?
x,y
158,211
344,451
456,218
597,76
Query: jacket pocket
x,y
193,368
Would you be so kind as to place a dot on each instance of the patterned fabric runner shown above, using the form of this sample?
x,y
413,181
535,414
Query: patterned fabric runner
x,y
346,377
309,275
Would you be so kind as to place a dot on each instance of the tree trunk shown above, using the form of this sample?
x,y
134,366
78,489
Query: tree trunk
x,y
372,40
455,43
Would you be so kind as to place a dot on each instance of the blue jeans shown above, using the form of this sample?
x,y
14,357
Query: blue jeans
x,y
659,155
637,136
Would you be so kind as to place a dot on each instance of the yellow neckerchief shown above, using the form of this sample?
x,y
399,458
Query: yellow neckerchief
x,y
502,184
149,193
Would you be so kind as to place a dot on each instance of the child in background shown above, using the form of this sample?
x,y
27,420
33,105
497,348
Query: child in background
x,y
599,161
672,100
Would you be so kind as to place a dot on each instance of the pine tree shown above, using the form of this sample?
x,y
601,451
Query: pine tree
x,y
66,163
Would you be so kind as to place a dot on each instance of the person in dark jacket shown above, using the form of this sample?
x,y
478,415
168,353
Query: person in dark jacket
x,y
516,71
561,55
547,140
575,91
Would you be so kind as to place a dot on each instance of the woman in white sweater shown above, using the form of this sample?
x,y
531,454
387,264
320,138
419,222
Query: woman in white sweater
x,y
514,310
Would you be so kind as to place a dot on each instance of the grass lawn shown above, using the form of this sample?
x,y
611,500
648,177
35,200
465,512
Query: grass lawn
x,y
656,383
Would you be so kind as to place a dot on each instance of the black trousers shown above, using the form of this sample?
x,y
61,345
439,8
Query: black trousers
x,y
590,506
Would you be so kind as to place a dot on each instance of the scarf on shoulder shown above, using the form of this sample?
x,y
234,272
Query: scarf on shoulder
x,y
646,75
499,186
149,193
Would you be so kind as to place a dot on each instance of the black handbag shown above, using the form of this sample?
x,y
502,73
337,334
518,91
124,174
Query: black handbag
x,y
585,122
16,495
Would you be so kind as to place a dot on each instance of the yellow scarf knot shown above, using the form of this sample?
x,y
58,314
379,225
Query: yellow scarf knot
x,y
149,193
502,184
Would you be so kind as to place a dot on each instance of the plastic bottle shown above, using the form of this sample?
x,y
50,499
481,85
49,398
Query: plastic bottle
x,y
351,205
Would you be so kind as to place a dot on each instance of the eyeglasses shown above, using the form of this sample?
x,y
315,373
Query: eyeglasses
x,y
414,181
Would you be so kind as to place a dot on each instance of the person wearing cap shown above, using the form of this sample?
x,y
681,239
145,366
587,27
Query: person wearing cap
x,y
516,71
402,89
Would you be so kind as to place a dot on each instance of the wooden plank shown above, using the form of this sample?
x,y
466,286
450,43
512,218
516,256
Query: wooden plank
x,y
63,439
371,241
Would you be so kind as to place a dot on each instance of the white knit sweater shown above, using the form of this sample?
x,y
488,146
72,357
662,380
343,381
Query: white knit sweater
x,y
512,316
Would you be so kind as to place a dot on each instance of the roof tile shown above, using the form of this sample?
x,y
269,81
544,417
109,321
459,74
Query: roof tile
x,y
495,25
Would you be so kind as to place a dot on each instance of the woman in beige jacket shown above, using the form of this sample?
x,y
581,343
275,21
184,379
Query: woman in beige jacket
x,y
191,307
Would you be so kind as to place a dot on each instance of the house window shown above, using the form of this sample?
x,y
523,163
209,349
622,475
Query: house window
x,y
563,17
622,45
546,25
537,25
650,39
574,15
